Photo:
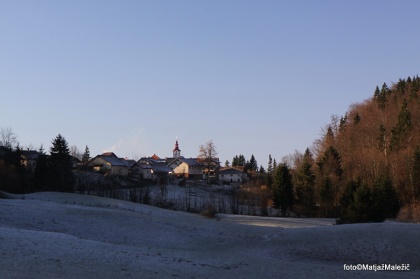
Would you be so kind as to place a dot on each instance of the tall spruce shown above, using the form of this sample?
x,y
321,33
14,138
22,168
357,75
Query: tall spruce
x,y
306,183
86,156
384,200
41,173
416,175
326,195
60,166
282,188
401,129
269,174
253,165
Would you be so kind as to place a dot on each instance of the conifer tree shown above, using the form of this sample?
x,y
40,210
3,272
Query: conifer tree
x,y
86,156
305,183
384,200
253,165
41,173
416,175
269,174
326,194
398,133
60,166
235,161
282,188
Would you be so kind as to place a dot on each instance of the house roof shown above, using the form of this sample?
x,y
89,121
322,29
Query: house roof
x,y
155,157
230,170
112,159
30,154
129,162
188,161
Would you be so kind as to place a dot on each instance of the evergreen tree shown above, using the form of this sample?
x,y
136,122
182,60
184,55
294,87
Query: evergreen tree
x,y
86,156
41,172
416,174
326,194
235,161
227,164
403,126
282,188
356,203
261,170
239,161
253,165
381,96
60,166
384,200
306,183
270,164
362,205
330,166
269,174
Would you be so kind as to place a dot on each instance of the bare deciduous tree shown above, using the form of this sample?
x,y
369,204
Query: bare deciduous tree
x,y
8,138
207,155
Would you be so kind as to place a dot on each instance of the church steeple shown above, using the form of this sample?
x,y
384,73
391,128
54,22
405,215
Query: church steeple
x,y
177,151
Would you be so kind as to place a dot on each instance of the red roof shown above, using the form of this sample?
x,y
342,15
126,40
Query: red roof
x,y
155,157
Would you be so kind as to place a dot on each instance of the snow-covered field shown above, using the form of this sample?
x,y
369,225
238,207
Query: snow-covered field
x,y
57,235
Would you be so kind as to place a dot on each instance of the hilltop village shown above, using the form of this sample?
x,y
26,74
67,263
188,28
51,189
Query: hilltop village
x,y
153,169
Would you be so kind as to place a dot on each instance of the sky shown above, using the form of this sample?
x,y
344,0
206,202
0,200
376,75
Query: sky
x,y
255,77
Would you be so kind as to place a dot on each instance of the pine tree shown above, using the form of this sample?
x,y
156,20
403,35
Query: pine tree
x,y
227,164
235,161
253,165
86,156
282,188
270,164
356,203
416,174
326,194
41,172
330,166
403,126
306,183
384,200
60,166
269,174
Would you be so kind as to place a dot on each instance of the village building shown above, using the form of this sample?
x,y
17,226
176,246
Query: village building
x,y
154,168
231,174
109,164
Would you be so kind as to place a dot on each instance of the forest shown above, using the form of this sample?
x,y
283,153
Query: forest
x,y
364,168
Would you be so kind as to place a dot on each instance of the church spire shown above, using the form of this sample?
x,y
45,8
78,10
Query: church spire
x,y
176,151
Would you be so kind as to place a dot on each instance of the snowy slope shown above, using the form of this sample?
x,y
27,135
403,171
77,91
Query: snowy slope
x,y
57,235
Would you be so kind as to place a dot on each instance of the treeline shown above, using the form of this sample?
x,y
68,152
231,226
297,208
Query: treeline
x,y
366,166
53,172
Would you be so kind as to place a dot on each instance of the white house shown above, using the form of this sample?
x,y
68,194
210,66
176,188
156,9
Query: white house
x,y
231,174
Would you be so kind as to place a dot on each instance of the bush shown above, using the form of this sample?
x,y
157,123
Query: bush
x,y
209,212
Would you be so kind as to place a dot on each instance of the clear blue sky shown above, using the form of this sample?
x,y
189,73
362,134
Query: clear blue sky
x,y
256,77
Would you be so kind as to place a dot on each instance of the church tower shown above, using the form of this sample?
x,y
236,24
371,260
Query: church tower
x,y
177,151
